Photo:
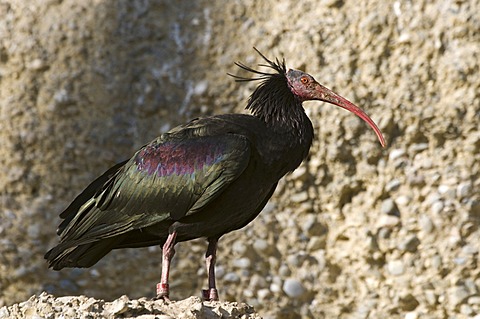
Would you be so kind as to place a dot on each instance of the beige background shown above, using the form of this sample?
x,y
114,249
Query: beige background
x,y
356,232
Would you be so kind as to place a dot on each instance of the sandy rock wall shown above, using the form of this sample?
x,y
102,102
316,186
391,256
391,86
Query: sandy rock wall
x,y
357,231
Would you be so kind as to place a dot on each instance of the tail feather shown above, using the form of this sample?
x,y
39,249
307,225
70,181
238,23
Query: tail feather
x,y
73,252
94,188
81,256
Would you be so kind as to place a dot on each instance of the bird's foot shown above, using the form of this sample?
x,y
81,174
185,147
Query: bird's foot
x,y
163,292
210,294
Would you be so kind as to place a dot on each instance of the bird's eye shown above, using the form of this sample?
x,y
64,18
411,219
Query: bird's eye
x,y
304,80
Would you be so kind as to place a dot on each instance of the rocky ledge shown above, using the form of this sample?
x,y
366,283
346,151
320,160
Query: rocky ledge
x,y
46,306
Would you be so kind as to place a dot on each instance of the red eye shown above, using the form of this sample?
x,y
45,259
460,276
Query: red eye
x,y
304,80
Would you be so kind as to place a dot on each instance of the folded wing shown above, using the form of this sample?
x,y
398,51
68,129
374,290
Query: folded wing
x,y
165,180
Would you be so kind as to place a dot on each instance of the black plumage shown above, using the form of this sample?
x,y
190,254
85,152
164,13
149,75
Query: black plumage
x,y
202,179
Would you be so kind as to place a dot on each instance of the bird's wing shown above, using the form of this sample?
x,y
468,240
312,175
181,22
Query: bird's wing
x,y
167,179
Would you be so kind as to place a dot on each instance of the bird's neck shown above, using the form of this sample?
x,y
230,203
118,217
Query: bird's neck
x,y
290,129
281,111
291,122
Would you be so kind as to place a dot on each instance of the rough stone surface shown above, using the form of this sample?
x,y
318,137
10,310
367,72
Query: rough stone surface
x,y
367,232
47,306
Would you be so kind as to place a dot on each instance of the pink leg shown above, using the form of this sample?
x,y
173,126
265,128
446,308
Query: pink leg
x,y
211,294
168,252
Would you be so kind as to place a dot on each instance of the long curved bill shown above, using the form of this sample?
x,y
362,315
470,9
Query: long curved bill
x,y
327,95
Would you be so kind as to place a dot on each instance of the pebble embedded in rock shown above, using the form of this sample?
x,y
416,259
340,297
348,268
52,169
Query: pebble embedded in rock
x,y
117,307
242,263
437,207
299,197
313,227
275,288
396,267
295,260
426,224
396,154
260,245
436,262
403,200
470,249
446,190
393,185
464,189
300,173
200,88
316,243
231,277
263,294
474,300
284,271
239,247
410,244
431,297
293,288
466,310
411,315
417,148
389,207
388,221
458,294
408,302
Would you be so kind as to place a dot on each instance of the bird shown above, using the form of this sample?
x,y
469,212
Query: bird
x,y
202,179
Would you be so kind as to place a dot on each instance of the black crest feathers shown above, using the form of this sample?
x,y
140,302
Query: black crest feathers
x,y
277,65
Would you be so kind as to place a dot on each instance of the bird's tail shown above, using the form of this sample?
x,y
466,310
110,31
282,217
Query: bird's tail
x,y
80,256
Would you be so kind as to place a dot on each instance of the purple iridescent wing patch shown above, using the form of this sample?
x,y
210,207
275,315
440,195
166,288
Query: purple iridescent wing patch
x,y
179,157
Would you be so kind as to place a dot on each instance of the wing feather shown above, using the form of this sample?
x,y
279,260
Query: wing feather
x,y
165,180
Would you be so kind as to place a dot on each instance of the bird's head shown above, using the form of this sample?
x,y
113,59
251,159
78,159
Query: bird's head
x,y
306,88
297,85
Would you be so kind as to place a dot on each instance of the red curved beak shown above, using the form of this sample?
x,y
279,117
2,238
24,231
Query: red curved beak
x,y
327,95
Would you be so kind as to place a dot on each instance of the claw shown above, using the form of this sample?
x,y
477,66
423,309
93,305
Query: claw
x,y
163,291
210,294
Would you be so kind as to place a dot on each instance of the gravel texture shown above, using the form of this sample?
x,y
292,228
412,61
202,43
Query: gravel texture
x,y
356,232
